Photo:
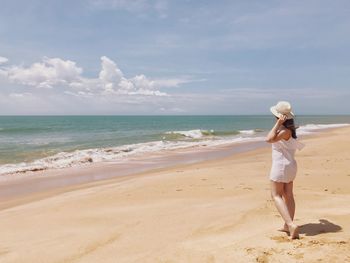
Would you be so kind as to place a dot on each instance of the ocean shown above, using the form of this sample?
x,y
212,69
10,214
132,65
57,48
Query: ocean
x,y
31,143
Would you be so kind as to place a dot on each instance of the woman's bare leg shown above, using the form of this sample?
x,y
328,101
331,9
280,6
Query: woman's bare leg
x,y
277,193
289,200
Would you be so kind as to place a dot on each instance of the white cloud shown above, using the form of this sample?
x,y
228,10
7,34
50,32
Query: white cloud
x,y
148,92
3,73
45,74
113,81
55,72
112,78
125,84
142,82
3,60
109,73
79,94
174,82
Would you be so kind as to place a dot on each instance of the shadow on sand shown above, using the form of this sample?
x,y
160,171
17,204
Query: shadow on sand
x,y
324,226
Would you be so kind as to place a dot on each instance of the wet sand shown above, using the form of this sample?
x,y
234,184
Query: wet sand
x,y
43,183
214,211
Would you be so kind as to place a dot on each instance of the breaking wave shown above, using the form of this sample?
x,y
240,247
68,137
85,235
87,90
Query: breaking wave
x,y
172,140
119,153
311,128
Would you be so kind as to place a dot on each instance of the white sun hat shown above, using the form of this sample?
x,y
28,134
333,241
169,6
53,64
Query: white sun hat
x,y
282,108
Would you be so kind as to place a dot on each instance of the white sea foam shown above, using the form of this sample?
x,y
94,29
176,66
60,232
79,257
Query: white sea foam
x,y
194,134
120,153
311,128
46,141
247,132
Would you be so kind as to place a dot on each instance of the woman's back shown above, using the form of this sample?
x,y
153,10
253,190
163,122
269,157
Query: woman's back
x,y
284,166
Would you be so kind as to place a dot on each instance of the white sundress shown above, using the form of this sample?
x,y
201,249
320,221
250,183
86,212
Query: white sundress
x,y
284,167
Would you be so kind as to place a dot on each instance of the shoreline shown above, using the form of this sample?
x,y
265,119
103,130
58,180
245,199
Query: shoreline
x,y
34,185
41,184
213,211
197,139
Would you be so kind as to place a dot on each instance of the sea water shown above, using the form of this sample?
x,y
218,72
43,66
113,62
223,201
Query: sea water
x,y
31,143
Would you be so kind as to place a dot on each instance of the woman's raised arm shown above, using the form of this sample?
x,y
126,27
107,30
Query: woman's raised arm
x,y
274,135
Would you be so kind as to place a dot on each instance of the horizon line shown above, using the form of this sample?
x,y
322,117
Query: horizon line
x,y
152,115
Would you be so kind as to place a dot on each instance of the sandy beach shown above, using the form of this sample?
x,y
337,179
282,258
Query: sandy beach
x,y
213,211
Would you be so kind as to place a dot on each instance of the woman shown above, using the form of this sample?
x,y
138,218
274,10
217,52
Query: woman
x,y
284,167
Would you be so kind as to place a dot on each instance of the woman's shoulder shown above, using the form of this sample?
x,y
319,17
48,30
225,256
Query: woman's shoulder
x,y
287,134
282,128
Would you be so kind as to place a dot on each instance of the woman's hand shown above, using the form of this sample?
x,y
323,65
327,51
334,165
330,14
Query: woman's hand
x,y
281,119
272,136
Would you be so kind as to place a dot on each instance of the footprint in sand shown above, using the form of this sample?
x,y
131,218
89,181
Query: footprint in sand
x,y
280,239
342,242
262,255
299,256
265,255
249,249
313,243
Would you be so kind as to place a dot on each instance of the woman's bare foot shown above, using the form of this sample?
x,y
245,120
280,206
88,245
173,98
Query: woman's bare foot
x,y
284,229
294,231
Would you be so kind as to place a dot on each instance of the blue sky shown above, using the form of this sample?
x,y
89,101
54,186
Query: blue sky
x,y
173,57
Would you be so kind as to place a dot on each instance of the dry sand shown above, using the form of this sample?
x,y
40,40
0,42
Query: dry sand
x,y
216,211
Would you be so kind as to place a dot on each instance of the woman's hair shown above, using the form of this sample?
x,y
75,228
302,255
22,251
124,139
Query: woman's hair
x,y
289,124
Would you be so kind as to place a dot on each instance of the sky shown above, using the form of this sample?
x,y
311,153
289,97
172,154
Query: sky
x,y
178,57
